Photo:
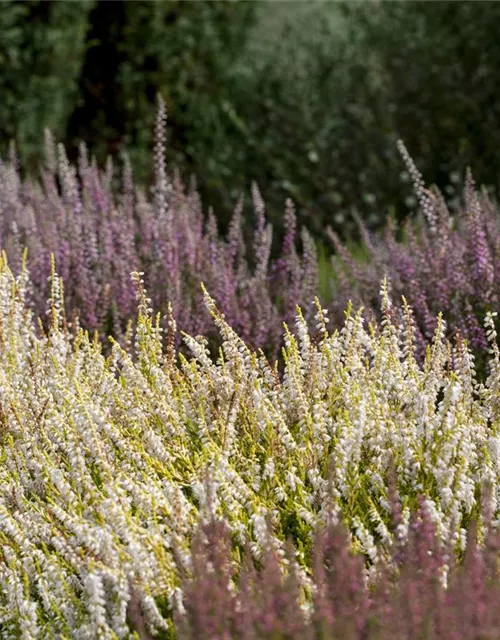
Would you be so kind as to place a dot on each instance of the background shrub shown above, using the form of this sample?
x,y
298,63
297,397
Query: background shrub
x,y
91,71
336,94
188,53
446,260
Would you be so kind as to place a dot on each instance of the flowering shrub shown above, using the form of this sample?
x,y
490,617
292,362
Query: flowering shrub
x,y
110,462
443,263
421,592
98,238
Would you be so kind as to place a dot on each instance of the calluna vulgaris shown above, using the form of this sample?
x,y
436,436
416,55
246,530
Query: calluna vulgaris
x,y
113,465
97,238
445,263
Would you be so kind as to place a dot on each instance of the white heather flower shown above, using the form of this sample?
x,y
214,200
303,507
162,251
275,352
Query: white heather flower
x,y
28,622
105,460
176,601
269,468
152,615
366,539
96,603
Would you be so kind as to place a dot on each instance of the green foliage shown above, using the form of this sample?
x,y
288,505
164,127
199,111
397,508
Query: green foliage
x,y
185,51
434,69
42,46
92,70
342,84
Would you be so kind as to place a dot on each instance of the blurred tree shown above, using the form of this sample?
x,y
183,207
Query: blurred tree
x,y
341,84
188,53
42,46
435,66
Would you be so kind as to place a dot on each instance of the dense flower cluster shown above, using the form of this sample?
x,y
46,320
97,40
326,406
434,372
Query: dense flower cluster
x,y
154,486
408,599
98,237
110,463
444,262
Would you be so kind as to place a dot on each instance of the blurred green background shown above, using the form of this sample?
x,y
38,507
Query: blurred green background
x,y
306,98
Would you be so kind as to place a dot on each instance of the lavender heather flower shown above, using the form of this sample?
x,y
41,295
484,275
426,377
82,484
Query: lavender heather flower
x,y
445,262
408,596
98,236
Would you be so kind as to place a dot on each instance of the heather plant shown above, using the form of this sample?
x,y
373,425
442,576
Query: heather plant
x,y
445,261
98,237
110,463
418,592
442,261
